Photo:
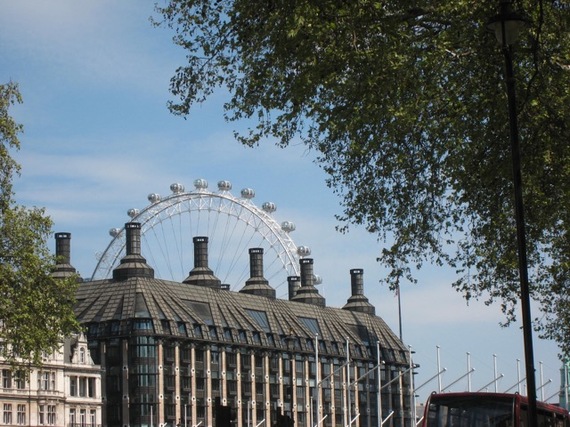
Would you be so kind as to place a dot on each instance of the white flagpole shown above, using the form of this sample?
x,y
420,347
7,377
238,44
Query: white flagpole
x,y
317,380
348,411
379,394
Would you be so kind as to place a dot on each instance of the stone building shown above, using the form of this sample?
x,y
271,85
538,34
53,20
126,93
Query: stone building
x,y
196,353
64,391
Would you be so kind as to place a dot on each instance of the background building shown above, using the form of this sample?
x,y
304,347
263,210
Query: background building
x,y
197,354
65,391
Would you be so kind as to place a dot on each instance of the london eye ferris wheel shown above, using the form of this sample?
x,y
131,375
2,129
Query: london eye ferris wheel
x,y
233,224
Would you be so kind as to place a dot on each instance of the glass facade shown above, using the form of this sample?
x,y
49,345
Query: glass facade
x,y
152,380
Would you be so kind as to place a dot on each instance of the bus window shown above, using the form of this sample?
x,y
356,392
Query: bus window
x,y
469,412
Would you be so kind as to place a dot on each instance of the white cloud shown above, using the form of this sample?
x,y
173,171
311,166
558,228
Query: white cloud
x,y
89,43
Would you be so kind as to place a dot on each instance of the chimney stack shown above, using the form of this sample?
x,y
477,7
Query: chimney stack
x,y
257,284
294,283
358,302
63,267
133,264
307,293
201,275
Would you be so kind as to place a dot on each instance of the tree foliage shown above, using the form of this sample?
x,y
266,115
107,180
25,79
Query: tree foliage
x,y
35,308
405,104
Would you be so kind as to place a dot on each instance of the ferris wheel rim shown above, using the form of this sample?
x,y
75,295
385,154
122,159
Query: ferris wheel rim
x,y
288,256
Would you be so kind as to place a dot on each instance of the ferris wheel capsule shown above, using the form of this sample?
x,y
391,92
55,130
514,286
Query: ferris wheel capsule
x,y
269,207
201,184
153,198
318,280
133,212
177,188
288,226
303,251
114,232
248,193
224,185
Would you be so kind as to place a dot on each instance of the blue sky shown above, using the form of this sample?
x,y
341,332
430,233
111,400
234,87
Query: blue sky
x,y
98,139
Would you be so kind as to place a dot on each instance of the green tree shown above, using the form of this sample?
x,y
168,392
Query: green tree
x,y
404,103
35,308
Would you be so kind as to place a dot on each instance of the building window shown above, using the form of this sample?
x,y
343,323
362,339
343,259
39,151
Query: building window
x,y
274,364
83,417
246,388
214,355
311,324
7,414
296,344
358,351
145,380
115,327
144,347
73,386
259,361
51,415
72,416
43,380
92,417
271,340
231,359
82,387
185,354
46,381
197,330
168,352
6,378
169,382
170,410
41,415
165,326
261,318
20,380
245,362
82,355
143,325
21,415
91,387
185,383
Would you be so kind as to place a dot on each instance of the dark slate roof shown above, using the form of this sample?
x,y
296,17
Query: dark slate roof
x,y
171,305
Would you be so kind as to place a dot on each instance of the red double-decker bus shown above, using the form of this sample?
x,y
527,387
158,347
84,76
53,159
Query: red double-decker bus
x,y
471,409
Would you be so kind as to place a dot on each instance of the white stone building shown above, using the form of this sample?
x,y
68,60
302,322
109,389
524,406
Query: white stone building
x,y
64,391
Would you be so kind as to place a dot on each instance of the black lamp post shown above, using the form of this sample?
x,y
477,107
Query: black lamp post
x,y
506,27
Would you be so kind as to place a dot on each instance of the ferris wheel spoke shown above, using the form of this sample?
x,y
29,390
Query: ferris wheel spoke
x,y
244,242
